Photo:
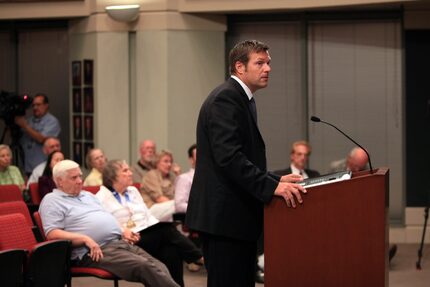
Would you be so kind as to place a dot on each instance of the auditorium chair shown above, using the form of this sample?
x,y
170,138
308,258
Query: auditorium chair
x,y
12,267
82,271
20,207
34,193
10,192
47,263
92,189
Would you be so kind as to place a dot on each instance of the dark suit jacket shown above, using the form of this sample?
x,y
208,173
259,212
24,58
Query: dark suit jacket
x,y
311,173
231,183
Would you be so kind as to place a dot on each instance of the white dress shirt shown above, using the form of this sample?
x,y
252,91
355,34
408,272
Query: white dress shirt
x,y
182,190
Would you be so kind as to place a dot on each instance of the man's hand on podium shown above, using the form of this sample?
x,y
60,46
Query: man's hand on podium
x,y
291,178
290,190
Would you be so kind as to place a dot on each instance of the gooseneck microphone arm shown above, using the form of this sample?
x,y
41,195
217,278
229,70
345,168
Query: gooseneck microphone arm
x,y
317,120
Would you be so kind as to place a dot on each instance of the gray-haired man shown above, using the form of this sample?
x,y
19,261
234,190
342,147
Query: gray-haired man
x,y
76,215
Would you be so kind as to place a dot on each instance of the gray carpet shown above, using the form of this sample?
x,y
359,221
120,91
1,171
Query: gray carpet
x,y
402,272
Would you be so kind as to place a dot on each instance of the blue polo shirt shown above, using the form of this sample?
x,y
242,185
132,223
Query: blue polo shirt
x,y
79,214
47,125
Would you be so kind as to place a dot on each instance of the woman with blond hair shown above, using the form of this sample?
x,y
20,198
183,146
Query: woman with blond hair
x,y
157,187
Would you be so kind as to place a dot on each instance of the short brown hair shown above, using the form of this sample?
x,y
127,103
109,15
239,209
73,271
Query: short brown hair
x,y
241,51
302,142
110,172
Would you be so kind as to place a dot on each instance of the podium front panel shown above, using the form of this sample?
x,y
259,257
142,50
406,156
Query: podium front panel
x,y
337,237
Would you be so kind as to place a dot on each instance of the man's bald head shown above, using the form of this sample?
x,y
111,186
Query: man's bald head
x,y
357,159
147,150
51,144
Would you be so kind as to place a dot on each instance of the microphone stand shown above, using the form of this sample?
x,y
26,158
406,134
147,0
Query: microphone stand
x,y
420,250
315,119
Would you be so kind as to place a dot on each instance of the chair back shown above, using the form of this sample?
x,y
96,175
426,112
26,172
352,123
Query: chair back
x,y
16,207
49,264
15,232
136,185
10,192
12,263
80,271
34,193
38,220
92,189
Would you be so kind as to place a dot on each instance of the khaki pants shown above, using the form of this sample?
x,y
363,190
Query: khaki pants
x,y
131,263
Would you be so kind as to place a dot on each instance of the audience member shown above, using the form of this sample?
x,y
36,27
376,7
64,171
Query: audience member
x,y
9,174
46,182
147,150
161,240
95,160
76,215
157,187
49,145
36,129
355,161
183,183
299,156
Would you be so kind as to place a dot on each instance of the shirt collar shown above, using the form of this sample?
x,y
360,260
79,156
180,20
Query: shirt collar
x,y
63,194
245,87
294,169
38,120
117,195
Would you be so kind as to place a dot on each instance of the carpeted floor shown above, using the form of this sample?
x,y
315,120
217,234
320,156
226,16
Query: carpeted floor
x,y
402,272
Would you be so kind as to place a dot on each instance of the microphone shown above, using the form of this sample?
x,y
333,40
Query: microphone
x,y
317,120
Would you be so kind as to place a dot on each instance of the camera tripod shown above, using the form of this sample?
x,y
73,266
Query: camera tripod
x,y
420,251
16,148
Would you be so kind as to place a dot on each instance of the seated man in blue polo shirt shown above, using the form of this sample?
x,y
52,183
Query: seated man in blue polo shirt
x,y
76,215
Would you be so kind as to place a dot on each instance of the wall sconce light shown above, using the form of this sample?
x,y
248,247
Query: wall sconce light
x,y
123,13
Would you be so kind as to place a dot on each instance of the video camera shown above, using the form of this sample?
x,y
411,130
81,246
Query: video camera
x,y
12,105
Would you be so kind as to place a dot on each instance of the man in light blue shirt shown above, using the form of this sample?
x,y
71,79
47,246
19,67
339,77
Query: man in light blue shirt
x,y
97,239
36,129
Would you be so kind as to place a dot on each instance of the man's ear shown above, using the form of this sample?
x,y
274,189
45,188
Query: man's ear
x,y
240,67
58,181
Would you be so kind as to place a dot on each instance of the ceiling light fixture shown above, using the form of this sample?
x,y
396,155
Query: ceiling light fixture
x,y
123,13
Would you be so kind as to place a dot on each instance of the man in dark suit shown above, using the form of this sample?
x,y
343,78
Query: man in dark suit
x,y
231,183
300,152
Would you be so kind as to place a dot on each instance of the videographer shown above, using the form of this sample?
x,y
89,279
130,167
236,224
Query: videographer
x,y
36,129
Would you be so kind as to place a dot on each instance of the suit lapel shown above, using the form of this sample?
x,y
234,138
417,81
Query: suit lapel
x,y
245,101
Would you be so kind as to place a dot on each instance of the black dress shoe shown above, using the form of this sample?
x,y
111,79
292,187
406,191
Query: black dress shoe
x,y
259,276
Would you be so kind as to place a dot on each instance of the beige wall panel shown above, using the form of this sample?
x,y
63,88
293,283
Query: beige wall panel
x,y
151,83
45,10
196,66
111,92
270,5
175,71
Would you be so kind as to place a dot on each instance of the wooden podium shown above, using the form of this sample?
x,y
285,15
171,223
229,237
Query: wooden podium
x,y
337,237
